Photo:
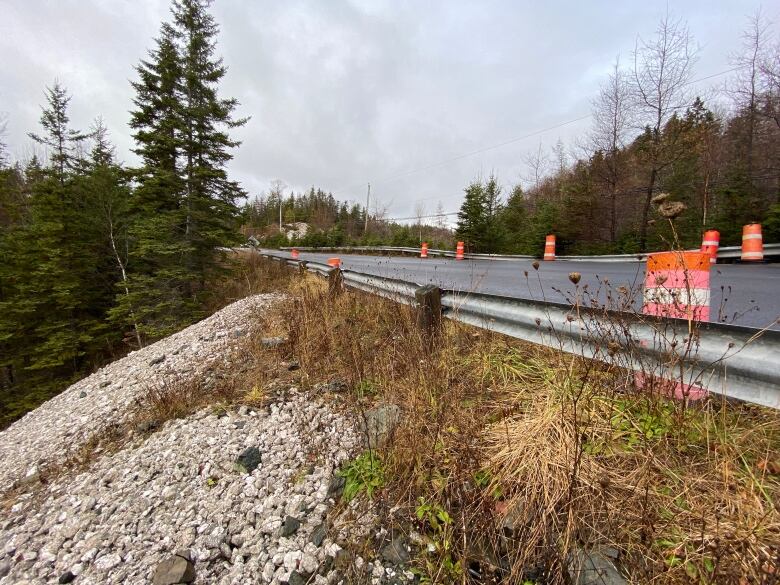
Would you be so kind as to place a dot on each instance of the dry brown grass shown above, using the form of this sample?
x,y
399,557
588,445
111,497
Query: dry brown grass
x,y
493,427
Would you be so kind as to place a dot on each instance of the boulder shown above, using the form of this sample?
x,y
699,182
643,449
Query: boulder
x,y
379,423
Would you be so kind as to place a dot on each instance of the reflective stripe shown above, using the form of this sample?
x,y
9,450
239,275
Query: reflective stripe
x,y
677,296
710,243
758,255
751,237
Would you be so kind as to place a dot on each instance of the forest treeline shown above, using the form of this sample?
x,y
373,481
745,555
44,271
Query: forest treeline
x,y
649,135
332,222
97,258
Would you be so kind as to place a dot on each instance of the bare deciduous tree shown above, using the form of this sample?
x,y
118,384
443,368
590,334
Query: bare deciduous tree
x,y
612,119
662,71
538,164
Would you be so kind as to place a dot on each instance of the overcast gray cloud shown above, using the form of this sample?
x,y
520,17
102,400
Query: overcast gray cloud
x,y
342,93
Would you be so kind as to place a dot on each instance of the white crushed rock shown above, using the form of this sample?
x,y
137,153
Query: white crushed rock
x,y
179,489
66,421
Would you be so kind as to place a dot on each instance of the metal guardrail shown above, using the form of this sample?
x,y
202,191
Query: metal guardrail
x,y
737,362
725,253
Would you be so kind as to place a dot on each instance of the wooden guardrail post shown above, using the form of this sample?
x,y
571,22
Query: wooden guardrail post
x,y
335,282
428,300
302,266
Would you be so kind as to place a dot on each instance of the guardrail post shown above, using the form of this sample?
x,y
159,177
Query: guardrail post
x,y
429,309
335,282
302,266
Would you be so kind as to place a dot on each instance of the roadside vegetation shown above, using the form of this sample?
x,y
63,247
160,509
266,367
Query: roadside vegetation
x,y
510,459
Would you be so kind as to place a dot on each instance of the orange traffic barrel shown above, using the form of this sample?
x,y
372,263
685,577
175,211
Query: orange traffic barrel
x,y
335,262
677,284
459,251
549,247
752,243
710,243
424,250
294,254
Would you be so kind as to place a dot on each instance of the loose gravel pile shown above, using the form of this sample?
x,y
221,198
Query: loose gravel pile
x,y
224,496
182,491
66,421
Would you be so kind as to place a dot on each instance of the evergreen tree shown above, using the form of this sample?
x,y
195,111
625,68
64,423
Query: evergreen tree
x,y
184,206
472,217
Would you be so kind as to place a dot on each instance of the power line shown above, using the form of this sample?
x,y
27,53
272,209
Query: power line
x,y
516,139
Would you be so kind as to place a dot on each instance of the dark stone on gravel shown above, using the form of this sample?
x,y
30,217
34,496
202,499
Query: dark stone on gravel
x,y
158,360
82,394
146,425
326,565
174,570
292,366
296,579
248,460
105,383
290,526
66,577
336,486
318,535
593,568
396,552
5,568
239,424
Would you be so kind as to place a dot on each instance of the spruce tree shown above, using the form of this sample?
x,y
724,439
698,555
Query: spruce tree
x,y
472,217
184,206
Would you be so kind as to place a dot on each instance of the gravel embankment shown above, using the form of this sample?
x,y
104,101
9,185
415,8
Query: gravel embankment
x,y
223,496
66,421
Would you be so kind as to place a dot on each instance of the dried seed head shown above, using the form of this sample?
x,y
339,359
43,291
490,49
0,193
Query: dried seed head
x,y
660,198
535,264
671,209
660,279
575,277
622,290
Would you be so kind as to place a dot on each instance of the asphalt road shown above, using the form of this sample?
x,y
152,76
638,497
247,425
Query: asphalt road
x,y
742,294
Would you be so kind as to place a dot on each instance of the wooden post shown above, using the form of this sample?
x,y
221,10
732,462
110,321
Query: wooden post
x,y
335,282
302,266
429,309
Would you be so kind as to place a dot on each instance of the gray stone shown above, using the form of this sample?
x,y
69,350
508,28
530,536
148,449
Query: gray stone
x,y
146,426
239,424
82,394
105,383
293,365
593,568
379,423
5,568
296,579
318,535
336,486
290,526
396,552
174,570
157,360
271,342
248,460
66,577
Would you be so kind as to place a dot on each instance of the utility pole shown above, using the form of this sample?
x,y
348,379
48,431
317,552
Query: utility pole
x,y
368,199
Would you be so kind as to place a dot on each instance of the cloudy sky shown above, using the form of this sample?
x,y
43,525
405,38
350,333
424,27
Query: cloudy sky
x,y
341,93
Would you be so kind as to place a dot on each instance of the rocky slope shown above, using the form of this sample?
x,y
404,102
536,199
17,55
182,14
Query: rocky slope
x,y
237,495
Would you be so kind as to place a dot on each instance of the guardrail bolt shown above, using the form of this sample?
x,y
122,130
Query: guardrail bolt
x,y
429,309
